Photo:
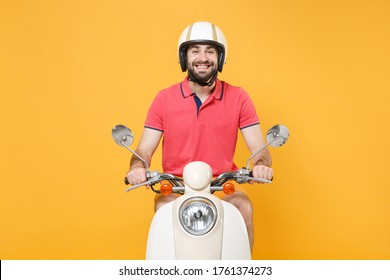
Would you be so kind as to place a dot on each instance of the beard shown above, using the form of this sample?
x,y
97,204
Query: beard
x,y
202,76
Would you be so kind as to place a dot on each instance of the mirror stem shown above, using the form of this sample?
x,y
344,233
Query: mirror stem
x,y
262,148
134,153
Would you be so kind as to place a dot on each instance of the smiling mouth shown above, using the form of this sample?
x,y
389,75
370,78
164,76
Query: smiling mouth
x,y
202,67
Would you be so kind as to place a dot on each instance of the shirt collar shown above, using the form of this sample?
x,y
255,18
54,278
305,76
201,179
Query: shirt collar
x,y
217,93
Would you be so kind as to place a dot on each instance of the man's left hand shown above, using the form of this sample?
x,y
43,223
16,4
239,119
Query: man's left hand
x,y
263,172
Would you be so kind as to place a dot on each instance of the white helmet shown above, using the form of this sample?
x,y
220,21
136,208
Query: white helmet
x,y
202,32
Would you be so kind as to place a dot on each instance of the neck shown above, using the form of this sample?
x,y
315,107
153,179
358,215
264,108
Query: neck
x,y
202,91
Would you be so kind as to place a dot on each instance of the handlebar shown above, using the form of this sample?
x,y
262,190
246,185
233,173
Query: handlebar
x,y
240,176
155,177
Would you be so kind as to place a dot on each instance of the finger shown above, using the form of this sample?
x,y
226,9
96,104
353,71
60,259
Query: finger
x,y
135,177
262,171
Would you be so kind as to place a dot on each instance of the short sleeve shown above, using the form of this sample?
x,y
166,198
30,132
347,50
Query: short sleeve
x,y
248,114
154,118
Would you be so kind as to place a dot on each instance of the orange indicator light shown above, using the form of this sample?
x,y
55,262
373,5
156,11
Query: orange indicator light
x,y
166,189
228,188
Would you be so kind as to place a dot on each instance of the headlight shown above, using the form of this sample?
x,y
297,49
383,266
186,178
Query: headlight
x,y
198,215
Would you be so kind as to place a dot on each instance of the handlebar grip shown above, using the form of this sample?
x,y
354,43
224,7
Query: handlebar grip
x,y
259,180
126,181
251,175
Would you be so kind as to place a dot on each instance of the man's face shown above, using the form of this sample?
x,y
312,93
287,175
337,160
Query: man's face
x,y
202,61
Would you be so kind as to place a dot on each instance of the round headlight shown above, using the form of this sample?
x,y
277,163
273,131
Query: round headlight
x,y
198,215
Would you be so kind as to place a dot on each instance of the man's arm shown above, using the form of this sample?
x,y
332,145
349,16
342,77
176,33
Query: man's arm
x,y
147,146
262,162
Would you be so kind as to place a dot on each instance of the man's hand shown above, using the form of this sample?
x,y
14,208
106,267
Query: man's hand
x,y
263,172
136,175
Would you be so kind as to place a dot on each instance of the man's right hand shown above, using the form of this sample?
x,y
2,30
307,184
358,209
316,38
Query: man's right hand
x,y
136,175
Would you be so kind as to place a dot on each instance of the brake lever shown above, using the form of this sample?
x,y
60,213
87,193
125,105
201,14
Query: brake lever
x,y
260,180
149,182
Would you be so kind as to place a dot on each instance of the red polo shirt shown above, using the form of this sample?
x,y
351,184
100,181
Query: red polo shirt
x,y
200,132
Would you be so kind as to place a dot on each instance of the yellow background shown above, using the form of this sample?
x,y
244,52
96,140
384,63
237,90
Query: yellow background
x,y
71,70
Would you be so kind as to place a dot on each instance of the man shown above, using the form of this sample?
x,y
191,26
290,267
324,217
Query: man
x,y
199,119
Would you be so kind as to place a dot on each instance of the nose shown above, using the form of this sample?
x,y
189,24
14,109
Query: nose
x,y
203,56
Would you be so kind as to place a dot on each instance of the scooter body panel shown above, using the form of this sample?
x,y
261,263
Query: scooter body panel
x,y
203,247
235,243
228,239
161,244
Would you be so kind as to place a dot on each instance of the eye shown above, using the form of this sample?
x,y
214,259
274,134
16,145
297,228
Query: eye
x,y
194,51
212,51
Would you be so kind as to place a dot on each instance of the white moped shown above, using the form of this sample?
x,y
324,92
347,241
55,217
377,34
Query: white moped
x,y
198,225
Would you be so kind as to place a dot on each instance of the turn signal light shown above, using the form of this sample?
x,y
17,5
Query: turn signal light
x,y
228,188
166,189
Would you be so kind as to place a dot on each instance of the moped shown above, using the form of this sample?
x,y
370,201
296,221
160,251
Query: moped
x,y
198,225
